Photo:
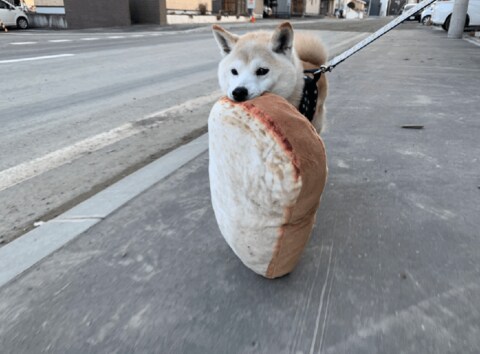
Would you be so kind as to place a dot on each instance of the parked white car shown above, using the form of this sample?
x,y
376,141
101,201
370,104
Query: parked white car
x,y
407,7
442,12
426,14
12,15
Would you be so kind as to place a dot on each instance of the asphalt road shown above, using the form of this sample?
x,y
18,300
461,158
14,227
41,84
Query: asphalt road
x,y
82,109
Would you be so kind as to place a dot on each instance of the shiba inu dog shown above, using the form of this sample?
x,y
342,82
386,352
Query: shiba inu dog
x,y
261,61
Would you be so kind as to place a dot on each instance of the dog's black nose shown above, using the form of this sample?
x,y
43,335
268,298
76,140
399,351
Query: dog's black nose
x,y
240,94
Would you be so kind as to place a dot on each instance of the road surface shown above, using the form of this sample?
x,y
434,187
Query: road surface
x,y
82,109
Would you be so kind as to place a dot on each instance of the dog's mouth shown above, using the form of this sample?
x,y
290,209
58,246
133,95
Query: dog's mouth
x,y
239,100
242,96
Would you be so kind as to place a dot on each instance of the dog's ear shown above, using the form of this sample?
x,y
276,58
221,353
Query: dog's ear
x,y
226,40
282,38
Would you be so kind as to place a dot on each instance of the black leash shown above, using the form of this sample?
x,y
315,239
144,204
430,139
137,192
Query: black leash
x,y
371,38
308,102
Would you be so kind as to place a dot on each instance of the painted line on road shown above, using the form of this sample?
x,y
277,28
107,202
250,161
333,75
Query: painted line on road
x,y
116,37
29,249
27,170
348,41
473,41
30,169
185,106
36,58
60,40
23,43
90,39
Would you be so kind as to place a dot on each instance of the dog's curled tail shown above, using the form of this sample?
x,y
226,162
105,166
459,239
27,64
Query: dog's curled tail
x,y
310,49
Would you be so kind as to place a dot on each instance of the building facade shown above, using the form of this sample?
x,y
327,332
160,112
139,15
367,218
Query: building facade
x,y
108,13
94,13
318,7
148,11
188,5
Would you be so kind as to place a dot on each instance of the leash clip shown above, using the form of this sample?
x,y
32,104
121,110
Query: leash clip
x,y
323,69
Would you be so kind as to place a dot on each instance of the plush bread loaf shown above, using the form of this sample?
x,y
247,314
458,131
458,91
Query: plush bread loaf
x,y
267,172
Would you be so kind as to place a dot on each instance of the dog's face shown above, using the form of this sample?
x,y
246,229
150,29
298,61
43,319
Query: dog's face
x,y
256,63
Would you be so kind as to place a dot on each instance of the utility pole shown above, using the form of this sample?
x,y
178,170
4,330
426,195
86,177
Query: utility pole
x,y
457,20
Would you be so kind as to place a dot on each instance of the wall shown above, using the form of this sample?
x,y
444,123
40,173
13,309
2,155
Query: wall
x,y
184,19
148,11
259,4
374,9
331,7
352,14
283,9
188,5
95,13
47,21
44,2
312,7
394,7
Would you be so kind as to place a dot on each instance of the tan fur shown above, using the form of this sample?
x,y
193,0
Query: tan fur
x,y
307,53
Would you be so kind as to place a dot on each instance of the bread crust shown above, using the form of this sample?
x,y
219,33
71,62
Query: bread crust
x,y
279,195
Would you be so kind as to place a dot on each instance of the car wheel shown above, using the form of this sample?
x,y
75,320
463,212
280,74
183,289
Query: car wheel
x,y
22,23
426,20
446,24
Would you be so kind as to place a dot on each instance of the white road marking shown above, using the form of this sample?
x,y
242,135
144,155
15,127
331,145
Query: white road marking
x,y
59,40
320,305
90,39
22,43
185,106
473,41
352,39
452,303
36,58
137,35
116,37
27,170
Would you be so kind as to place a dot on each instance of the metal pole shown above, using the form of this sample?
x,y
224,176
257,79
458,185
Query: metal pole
x,y
457,19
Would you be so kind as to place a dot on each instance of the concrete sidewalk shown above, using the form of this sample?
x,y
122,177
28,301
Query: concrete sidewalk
x,y
392,266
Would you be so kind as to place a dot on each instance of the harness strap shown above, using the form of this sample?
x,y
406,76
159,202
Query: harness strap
x,y
308,103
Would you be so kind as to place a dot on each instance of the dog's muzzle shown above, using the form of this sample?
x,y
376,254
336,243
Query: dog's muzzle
x,y
240,94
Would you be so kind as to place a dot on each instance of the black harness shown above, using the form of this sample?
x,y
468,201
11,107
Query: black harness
x,y
308,103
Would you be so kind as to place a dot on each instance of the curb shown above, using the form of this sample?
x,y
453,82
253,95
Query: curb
x,y
21,254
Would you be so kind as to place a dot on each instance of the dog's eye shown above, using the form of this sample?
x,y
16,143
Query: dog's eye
x,y
262,71
234,72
